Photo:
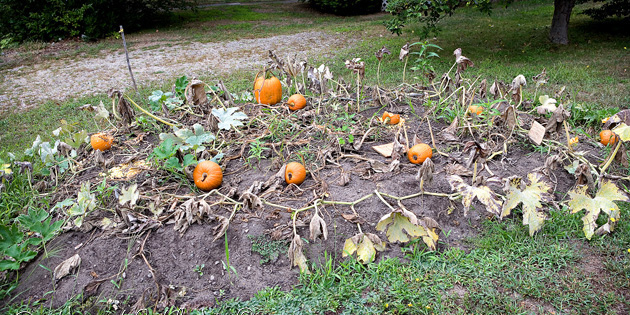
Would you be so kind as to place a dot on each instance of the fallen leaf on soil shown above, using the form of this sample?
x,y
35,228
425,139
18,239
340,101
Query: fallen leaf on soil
x,y
190,212
484,194
604,201
66,267
457,169
538,190
128,170
450,133
353,218
384,149
129,196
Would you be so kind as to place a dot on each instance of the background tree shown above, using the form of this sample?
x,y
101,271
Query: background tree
x,y
53,19
430,12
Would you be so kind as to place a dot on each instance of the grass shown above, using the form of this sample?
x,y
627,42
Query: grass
x,y
505,271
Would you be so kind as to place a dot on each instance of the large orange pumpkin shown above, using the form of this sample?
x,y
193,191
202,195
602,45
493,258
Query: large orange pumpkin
x,y
101,141
296,101
208,175
419,152
295,173
267,91
607,137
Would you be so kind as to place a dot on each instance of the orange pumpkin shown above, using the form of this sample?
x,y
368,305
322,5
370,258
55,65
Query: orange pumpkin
x,y
475,109
419,152
295,173
296,101
267,91
393,118
207,175
608,137
101,141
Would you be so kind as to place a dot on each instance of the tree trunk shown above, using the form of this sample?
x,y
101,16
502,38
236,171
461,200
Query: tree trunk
x,y
560,22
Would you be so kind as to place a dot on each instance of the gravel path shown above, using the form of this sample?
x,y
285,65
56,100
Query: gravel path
x,y
27,86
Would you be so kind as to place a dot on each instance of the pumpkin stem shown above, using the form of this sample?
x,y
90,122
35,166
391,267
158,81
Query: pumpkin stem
x,y
204,176
290,175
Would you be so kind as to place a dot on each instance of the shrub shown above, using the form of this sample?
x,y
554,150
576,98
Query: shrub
x,y
53,19
347,7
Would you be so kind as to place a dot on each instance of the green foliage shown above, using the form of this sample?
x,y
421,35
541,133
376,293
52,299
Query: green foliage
x,y
268,249
54,19
347,7
617,8
429,13
422,62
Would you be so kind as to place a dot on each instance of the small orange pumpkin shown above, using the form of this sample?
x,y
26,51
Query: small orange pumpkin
x,y
267,91
296,101
608,137
475,109
393,118
207,175
419,152
295,173
101,141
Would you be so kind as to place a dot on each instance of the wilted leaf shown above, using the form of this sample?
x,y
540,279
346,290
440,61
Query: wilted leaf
x,y
548,105
484,194
425,173
381,52
531,196
296,257
229,118
129,196
402,226
516,87
540,78
450,133
357,66
404,51
219,230
462,61
604,201
457,169
190,212
365,245
623,131
66,267
318,227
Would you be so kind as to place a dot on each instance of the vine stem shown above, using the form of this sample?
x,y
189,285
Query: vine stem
x,y
612,157
147,113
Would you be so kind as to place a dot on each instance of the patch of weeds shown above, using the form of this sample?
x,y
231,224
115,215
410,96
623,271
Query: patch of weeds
x,y
268,249
256,150
199,269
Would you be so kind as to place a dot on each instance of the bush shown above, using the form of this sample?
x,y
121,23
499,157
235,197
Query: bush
x,y
347,7
52,19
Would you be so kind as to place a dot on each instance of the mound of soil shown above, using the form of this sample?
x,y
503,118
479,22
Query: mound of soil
x,y
143,261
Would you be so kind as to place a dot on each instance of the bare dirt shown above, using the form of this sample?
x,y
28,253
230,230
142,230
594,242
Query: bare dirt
x,y
27,86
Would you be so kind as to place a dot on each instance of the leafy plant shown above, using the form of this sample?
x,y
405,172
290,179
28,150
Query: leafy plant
x,y
79,207
268,249
229,118
537,191
256,150
168,99
199,269
484,194
604,201
365,245
402,226
422,63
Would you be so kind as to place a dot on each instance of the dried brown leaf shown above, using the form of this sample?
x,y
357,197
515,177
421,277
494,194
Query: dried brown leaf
x,y
559,116
404,51
425,173
484,194
381,52
317,227
296,257
66,266
219,230
457,169
450,133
